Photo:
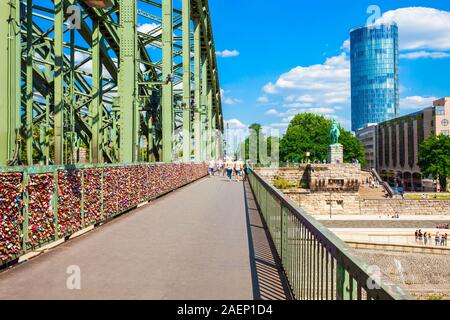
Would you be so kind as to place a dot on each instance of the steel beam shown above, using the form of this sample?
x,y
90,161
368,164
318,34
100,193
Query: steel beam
x,y
95,110
59,83
10,89
127,81
187,143
204,113
197,97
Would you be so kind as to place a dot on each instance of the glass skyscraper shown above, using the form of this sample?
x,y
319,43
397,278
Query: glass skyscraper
x,y
374,74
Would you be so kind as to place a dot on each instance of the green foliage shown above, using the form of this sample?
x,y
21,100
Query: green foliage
x,y
309,132
284,184
434,158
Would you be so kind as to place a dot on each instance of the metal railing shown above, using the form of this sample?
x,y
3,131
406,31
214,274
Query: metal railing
x,y
42,204
386,185
317,264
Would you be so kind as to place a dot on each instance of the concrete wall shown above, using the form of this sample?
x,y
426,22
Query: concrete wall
x,y
351,204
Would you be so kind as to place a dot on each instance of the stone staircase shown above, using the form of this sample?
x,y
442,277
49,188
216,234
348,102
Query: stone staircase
x,y
366,192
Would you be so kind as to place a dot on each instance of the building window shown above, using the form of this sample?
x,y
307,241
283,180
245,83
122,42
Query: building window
x,y
445,132
440,111
444,122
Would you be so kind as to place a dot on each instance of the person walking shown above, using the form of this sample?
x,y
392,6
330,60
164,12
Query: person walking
x,y
212,167
239,166
229,167
220,167
425,238
436,239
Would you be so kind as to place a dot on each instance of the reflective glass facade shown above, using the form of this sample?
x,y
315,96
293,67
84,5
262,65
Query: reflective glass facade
x,y
374,74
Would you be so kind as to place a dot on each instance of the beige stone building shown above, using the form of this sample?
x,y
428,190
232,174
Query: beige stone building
x,y
398,140
367,139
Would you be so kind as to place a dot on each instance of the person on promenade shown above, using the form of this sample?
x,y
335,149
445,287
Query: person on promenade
x,y
416,234
429,238
436,239
212,167
229,167
247,169
425,238
220,167
239,169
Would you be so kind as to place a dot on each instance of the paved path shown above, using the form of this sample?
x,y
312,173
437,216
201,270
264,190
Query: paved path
x,y
196,243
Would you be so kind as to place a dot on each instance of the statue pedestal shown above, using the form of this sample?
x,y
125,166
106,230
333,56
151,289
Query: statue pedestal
x,y
336,153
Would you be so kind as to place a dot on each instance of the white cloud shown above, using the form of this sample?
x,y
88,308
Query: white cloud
x,y
272,112
316,85
227,53
416,102
424,54
87,66
420,27
231,101
263,99
149,27
226,99
346,45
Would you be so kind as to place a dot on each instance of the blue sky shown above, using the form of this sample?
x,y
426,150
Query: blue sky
x,y
279,58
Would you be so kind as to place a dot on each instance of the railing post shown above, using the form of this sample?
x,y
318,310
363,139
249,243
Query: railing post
x,y
345,289
83,223
25,211
101,194
284,237
55,203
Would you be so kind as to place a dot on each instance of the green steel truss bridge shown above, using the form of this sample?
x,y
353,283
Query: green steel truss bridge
x,y
134,85
121,81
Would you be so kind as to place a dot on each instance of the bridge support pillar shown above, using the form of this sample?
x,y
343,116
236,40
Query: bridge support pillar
x,y
10,53
197,95
167,86
127,81
205,108
187,81
59,83
96,150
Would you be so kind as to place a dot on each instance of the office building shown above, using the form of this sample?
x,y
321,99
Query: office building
x,y
374,74
367,139
398,141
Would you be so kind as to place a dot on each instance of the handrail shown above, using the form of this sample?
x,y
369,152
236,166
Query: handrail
x,y
309,252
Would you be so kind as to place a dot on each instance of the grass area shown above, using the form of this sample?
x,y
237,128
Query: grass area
x,y
429,196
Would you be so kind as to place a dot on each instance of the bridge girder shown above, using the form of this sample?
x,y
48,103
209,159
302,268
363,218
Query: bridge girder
x,y
133,81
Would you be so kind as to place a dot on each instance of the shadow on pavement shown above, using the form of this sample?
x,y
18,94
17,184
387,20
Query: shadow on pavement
x,y
269,282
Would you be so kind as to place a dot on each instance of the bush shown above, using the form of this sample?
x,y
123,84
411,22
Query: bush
x,y
284,184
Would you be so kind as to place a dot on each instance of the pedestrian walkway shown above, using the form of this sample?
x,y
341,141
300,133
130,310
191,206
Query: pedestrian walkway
x,y
204,241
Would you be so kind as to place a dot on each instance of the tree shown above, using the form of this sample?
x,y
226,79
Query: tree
x,y
256,131
434,158
309,132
